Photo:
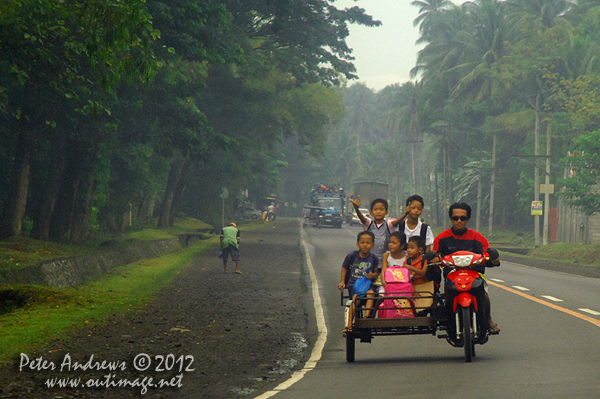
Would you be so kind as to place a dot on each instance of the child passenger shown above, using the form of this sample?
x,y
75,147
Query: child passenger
x,y
396,279
380,228
396,256
356,265
413,226
417,264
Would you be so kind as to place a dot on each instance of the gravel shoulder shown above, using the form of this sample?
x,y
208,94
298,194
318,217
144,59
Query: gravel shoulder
x,y
242,334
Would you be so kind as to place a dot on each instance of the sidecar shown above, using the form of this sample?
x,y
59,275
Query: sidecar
x,y
426,310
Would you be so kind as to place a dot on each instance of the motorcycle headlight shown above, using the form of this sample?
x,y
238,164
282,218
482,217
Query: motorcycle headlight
x,y
462,260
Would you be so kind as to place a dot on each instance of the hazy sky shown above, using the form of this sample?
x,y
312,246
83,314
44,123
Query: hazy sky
x,y
385,54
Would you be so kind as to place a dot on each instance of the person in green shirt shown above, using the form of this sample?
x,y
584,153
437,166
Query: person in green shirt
x,y
230,240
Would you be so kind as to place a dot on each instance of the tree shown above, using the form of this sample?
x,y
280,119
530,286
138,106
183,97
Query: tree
x,y
54,57
305,38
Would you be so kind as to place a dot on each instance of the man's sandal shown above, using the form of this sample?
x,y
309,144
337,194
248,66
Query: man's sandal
x,y
494,330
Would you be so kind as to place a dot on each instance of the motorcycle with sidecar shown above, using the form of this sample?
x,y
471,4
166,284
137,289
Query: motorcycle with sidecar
x,y
458,314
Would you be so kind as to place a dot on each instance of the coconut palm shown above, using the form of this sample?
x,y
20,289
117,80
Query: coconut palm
x,y
427,8
482,46
549,12
443,52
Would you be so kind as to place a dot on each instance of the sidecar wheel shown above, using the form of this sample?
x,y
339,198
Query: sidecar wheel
x,y
350,347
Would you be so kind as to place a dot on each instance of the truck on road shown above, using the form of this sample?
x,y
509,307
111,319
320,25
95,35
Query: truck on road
x,y
326,206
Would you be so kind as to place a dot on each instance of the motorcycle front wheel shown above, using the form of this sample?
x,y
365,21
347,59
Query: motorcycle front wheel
x,y
467,335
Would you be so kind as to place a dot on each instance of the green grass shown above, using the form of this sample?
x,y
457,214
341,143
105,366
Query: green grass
x,y
569,252
50,313
32,316
19,252
181,226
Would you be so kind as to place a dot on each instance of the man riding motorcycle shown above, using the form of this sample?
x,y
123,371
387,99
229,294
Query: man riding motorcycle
x,y
460,238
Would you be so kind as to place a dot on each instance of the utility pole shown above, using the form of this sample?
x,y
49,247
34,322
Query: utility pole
x,y
547,190
444,178
437,197
412,160
536,175
492,183
478,213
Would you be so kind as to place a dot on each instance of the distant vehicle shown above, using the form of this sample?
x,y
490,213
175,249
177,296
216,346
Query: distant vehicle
x,y
252,213
330,200
354,217
369,191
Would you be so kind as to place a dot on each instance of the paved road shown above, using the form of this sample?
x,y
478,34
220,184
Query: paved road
x,y
548,347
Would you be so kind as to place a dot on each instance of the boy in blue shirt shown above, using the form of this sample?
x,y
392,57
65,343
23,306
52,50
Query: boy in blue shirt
x,y
358,264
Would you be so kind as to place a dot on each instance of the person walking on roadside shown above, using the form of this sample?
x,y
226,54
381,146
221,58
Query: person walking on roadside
x,y
271,212
230,241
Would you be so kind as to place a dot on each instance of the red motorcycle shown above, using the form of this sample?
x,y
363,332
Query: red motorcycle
x,y
464,291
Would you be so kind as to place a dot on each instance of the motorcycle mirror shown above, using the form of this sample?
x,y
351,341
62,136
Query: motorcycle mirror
x,y
493,252
430,255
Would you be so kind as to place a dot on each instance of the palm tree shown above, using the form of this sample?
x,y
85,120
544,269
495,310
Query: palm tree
x,y
443,52
427,8
482,46
549,12
578,11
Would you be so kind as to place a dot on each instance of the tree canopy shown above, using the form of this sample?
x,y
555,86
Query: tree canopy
x,y
148,108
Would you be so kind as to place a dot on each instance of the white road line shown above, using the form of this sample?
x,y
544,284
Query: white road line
x,y
321,327
590,311
551,298
520,288
497,280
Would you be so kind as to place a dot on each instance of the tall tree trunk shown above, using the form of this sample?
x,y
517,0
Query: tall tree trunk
x,y
164,219
492,187
63,210
114,220
43,216
146,208
82,209
479,199
16,199
178,197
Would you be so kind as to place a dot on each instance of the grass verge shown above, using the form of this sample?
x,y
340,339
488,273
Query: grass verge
x,y
50,313
19,252
568,252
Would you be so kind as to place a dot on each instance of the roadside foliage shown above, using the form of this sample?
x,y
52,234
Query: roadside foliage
x,y
489,71
141,111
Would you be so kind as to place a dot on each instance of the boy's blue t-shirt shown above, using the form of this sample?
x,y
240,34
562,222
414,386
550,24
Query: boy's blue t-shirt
x,y
357,266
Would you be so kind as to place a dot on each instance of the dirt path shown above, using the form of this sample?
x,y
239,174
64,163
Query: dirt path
x,y
243,332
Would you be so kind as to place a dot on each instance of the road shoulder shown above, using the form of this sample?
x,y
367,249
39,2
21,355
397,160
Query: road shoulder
x,y
245,333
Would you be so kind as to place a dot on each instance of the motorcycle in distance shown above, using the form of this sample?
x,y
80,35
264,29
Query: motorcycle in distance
x,y
466,320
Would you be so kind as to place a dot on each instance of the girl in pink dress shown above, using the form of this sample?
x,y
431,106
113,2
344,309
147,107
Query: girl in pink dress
x,y
396,278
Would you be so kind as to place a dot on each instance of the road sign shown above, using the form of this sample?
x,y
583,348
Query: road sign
x,y
537,208
224,193
543,188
